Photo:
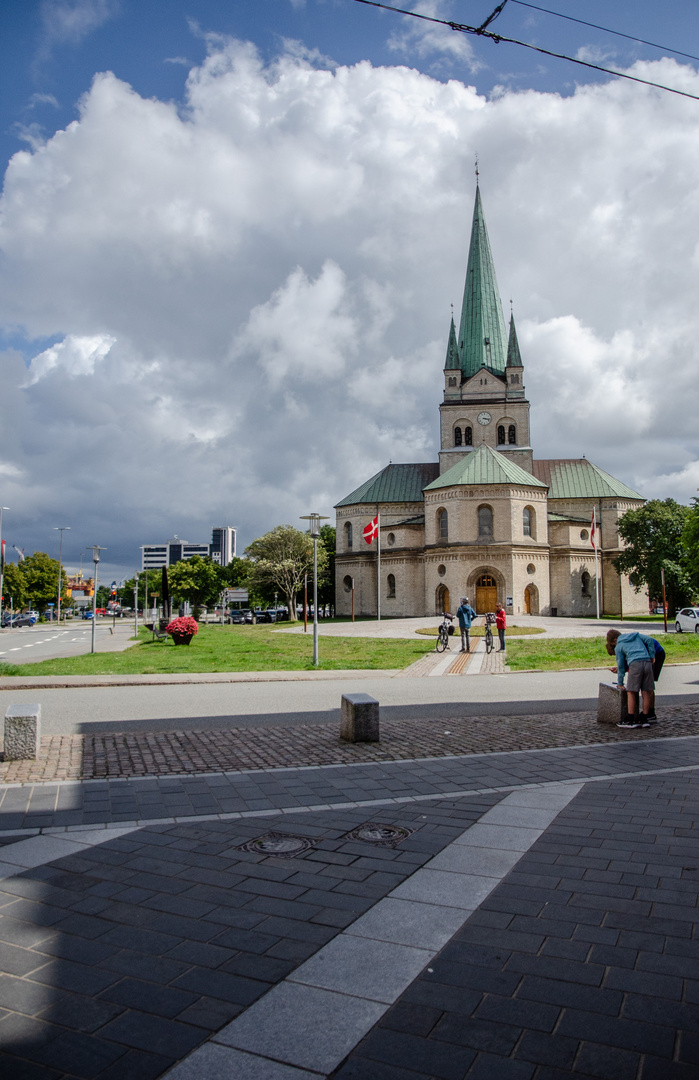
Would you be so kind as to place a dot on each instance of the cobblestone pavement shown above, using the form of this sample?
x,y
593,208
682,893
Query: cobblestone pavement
x,y
65,757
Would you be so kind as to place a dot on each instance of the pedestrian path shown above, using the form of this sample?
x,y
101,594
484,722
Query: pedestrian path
x,y
528,915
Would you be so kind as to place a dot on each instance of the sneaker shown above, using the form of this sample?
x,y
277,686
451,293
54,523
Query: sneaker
x,y
648,721
652,718
630,723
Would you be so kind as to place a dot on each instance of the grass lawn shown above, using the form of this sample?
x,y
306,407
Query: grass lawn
x,y
555,654
234,648
479,631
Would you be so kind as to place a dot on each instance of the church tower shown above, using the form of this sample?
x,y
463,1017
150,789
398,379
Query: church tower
x,y
484,402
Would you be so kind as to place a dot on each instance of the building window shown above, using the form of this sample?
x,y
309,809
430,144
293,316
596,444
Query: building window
x,y
391,581
527,521
501,434
442,525
457,436
512,435
391,539
585,583
468,436
347,583
584,534
348,535
441,569
452,380
531,569
514,378
485,523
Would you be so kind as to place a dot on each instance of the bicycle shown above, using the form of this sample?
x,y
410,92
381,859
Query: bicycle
x,y
444,632
489,622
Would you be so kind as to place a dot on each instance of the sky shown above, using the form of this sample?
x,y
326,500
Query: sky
x,y
231,233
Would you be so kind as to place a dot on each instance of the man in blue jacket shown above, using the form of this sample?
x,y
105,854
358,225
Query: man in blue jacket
x,y
466,615
634,654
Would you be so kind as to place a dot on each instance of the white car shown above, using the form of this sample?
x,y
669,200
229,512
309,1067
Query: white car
x,y
687,619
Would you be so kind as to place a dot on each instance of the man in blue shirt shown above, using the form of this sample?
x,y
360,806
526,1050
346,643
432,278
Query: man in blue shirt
x,y
635,654
466,615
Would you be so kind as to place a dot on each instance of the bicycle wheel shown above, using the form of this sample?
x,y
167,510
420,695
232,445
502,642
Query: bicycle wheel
x,y
488,640
442,639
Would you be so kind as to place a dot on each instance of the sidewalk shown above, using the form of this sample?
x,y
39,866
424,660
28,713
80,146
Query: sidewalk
x,y
527,915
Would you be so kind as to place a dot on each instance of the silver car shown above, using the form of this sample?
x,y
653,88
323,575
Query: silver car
x,y
687,619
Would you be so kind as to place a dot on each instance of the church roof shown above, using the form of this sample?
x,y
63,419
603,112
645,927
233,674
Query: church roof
x,y
395,483
485,466
482,338
452,361
514,358
578,478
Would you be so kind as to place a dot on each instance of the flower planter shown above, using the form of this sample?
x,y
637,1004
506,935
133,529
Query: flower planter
x,y
181,639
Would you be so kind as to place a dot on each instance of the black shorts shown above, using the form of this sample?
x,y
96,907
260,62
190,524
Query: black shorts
x,y
658,664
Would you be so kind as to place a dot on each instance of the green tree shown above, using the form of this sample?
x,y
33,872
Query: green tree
x,y
279,561
326,584
14,587
41,576
653,537
235,574
197,580
690,543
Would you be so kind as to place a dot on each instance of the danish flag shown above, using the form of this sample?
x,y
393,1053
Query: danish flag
x,y
371,531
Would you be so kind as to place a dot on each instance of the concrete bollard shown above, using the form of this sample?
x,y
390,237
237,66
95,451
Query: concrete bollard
x,y
611,704
22,732
359,718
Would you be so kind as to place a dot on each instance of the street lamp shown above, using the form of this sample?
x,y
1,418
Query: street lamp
x,y
61,529
2,559
135,603
314,529
95,558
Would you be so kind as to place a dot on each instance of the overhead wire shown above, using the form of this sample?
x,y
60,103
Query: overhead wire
x,y
463,28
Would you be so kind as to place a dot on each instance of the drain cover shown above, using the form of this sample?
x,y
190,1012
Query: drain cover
x,y
374,832
280,845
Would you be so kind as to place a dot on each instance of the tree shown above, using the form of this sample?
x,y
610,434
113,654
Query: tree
x,y
197,580
235,573
14,587
653,536
326,585
690,543
280,559
41,576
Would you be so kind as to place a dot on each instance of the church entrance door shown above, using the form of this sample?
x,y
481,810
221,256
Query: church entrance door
x,y
531,600
486,594
442,599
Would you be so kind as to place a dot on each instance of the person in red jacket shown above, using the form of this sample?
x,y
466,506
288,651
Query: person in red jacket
x,y
501,623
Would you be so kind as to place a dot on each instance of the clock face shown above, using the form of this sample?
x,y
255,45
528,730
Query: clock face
x,y
484,418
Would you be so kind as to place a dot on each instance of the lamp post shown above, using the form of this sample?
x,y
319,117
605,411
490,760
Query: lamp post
x,y
95,558
314,529
61,529
135,603
2,559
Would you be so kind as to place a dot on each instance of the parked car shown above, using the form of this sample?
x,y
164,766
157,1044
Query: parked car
x,y
25,619
237,617
687,619
248,615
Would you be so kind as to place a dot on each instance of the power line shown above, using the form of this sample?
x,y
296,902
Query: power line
x,y
595,26
462,28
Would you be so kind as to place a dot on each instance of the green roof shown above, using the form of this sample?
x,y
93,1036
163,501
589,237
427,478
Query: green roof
x,y
578,478
485,466
395,483
514,358
452,361
482,338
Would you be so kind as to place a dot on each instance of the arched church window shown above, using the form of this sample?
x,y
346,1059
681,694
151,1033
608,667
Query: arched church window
x,y
485,523
442,524
391,582
501,434
457,436
348,535
452,380
585,583
527,521
468,436
512,435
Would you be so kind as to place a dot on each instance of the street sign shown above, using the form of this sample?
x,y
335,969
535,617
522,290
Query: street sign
x,y
233,596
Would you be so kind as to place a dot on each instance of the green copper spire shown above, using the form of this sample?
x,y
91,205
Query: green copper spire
x,y
513,355
453,360
482,336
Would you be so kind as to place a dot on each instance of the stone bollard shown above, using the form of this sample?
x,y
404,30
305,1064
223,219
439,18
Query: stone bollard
x,y
359,718
611,704
22,732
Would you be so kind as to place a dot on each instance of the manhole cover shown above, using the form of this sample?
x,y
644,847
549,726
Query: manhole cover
x,y
373,832
281,845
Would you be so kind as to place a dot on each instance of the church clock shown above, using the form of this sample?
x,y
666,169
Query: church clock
x,y
484,418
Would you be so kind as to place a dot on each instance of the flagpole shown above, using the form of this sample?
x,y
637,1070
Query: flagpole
x,y
378,566
594,535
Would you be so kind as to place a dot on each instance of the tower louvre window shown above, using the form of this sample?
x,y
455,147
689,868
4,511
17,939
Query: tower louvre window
x,y
457,436
501,434
512,435
468,436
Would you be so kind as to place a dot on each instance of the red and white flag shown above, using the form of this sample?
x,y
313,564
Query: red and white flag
x,y
593,529
371,531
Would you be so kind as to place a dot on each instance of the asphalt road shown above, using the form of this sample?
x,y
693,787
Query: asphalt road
x,y
213,706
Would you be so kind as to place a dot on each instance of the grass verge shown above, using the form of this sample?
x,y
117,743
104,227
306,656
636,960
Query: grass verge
x,y
555,654
234,648
479,631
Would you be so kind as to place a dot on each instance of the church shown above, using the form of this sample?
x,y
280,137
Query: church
x,y
488,520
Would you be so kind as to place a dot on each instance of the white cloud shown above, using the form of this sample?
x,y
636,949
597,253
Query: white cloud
x,y
418,37
70,21
250,294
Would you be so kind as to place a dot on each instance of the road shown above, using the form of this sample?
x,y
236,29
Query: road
x,y
212,706
47,641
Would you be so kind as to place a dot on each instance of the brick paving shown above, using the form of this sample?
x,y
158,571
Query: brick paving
x,y
65,757
583,962
121,960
